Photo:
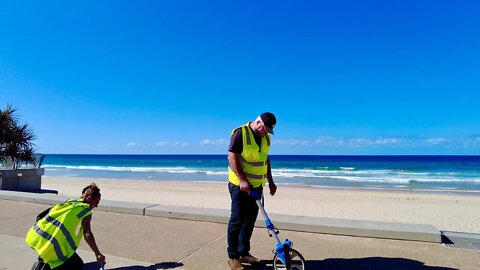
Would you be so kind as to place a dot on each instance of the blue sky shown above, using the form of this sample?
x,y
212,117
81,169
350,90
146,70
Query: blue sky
x,y
160,77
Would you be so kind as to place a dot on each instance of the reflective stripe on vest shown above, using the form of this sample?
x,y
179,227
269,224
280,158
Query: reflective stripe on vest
x,y
51,239
246,131
258,163
255,176
82,214
64,230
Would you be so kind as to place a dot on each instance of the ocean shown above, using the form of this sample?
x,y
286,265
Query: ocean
x,y
437,173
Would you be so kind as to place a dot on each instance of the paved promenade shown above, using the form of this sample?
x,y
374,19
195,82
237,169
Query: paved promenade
x,y
132,241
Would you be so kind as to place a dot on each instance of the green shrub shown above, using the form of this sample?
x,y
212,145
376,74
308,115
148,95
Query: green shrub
x,y
15,139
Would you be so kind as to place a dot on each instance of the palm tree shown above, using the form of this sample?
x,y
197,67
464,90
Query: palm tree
x,y
15,139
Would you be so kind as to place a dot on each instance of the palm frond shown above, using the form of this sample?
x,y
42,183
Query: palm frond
x,y
16,140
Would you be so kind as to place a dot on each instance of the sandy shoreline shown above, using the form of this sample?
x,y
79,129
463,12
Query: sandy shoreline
x,y
454,212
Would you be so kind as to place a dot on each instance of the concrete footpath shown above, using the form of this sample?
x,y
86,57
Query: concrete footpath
x,y
137,241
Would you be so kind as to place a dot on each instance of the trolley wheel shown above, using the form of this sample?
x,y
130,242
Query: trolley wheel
x,y
297,262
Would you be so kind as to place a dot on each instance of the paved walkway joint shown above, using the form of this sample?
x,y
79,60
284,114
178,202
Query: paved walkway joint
x,y
461,240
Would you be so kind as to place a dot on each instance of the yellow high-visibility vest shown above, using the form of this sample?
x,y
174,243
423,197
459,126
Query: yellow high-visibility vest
x,y
252,161
56,236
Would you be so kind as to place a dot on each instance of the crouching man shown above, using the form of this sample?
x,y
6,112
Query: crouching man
x,y
56,235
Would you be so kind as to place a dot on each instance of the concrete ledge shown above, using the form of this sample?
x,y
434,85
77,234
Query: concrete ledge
x,y
189,213
48,198
375,229
124,207
362,228
43,198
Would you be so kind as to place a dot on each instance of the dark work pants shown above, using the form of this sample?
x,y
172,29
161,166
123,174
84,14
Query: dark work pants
x,y
244,211
73,263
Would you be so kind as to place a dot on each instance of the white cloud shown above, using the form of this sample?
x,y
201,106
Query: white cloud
x,y
174,144
330,141
474,140
471,142
353,142
180,144
436,141
132,144
388,141
358,142
292,142
162,143
213,142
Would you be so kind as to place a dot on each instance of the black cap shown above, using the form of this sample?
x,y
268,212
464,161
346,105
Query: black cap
x,y
269,121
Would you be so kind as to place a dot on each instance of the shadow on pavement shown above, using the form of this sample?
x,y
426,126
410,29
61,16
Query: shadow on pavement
x,y
163,265
369,263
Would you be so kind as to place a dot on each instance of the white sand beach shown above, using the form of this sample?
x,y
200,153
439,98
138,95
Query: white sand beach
x,y
446,211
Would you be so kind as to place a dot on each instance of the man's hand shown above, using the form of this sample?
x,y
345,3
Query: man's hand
x,y
101,259
245,186
273,188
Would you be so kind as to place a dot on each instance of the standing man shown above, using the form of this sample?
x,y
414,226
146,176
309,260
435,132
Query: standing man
x,y
56,236
249,168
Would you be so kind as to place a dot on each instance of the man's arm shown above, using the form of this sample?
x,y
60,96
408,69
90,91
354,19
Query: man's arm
x,y
90,239
271,184
234,162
